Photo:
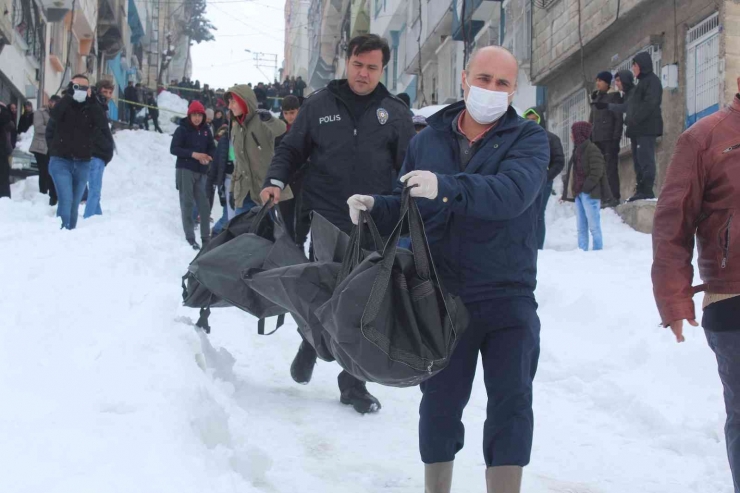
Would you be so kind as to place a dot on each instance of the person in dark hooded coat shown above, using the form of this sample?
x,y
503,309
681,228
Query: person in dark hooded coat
x,y
644,123
554,168
644,119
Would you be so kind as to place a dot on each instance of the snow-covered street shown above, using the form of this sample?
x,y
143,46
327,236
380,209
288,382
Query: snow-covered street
x,y
106,385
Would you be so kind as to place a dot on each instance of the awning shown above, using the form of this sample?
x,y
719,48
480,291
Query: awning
x,y
134,22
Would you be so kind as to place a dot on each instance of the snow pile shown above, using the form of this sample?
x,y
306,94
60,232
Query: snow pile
x,y
170,105
107,386
24,140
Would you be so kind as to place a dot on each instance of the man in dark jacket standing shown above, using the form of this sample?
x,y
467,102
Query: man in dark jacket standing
x,y
76,122
132,95
194,146
26,120
701,188
355,134
644,124
607,131
557,163
102,153
5,150
480,169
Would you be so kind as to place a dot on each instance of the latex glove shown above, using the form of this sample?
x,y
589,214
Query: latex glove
x,y
358,203
424,184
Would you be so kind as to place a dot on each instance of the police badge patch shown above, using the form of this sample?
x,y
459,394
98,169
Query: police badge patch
x,y
382,115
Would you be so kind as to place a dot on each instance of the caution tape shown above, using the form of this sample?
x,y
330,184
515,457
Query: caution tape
x,y
220,93
149,106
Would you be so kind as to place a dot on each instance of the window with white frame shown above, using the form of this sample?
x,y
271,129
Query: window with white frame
x,y
522,35
626,64
573,109
702,69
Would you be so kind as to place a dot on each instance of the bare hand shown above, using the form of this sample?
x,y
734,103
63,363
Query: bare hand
x,y
203,159
677,328
270,192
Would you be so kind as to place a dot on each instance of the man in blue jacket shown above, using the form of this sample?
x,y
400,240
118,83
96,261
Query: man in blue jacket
x,y
481,168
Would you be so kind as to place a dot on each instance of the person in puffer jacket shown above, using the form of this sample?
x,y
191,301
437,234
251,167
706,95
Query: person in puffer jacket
x,y
583,184
194,146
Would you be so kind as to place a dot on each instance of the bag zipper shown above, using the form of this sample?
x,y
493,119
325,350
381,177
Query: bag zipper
x,y
731,148
727,242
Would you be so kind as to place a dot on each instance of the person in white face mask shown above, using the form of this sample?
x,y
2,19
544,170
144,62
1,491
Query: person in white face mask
x,y
75,121
477,170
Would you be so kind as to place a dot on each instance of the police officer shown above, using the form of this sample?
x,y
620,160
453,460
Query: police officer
x,y
354,133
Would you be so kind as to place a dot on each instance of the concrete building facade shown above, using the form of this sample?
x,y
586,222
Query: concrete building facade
x,y
694,43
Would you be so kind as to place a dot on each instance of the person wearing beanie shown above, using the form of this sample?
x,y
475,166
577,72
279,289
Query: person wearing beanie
x,y
607,131
585,185
194,146
420,123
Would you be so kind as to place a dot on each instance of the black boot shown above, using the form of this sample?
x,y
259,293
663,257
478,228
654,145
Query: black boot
x,y
354,393
194,244
302,368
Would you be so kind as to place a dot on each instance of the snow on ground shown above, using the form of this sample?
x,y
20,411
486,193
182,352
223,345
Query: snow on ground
x,y
107,386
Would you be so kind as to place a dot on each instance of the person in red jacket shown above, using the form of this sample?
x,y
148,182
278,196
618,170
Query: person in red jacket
x,y
194,146
701,198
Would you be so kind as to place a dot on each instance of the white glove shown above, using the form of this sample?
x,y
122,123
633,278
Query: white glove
x,y
359,203
424,184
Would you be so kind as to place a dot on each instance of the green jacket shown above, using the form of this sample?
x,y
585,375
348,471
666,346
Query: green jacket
x,y
594,166
254,146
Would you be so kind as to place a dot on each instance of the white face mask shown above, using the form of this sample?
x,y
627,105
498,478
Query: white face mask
x,y
80,96
484,106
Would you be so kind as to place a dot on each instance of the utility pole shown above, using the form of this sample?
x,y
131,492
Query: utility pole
x,y
265,60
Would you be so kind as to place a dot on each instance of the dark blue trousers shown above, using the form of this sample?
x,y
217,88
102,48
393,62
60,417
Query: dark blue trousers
x,y
506,333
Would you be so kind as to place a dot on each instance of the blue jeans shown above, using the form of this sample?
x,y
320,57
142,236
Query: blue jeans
x,y
248,205
544,199
228,214
506,334
70,178
588,216
726,347
95,185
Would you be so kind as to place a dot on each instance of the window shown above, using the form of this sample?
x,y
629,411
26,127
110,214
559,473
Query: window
x,y
626,64
573,109
702,69
57,39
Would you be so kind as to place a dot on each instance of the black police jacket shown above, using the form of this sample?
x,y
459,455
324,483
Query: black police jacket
x,y
345,157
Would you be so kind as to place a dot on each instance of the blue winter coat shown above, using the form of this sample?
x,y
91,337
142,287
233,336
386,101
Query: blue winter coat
x,y
189,139
481,226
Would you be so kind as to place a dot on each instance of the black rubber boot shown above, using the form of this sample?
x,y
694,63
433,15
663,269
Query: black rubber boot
x,y
302,368
354,393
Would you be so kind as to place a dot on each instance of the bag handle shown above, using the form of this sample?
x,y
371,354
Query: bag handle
x,y
261,325
419,243
260,216
353,253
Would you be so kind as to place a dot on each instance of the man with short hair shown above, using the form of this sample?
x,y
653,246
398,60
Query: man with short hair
x,y
607,132
77,121
132,96
297,224
101,155
26,120
644,124
697,204
477,171
355,134
5,149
